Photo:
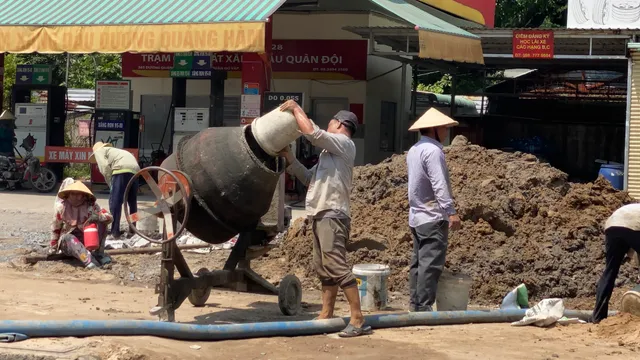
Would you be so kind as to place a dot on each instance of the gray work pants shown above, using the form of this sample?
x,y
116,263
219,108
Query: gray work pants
x,y
429,251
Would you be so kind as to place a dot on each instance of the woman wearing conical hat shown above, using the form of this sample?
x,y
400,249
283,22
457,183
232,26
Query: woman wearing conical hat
x,y
77,209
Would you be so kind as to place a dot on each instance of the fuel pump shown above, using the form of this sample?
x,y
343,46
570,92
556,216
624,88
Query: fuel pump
x,y
188,121
120,128
40,123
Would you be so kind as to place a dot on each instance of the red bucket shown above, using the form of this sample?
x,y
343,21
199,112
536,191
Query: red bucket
x,y
91,238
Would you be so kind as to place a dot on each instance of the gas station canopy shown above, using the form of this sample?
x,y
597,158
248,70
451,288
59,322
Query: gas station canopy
x,y
116,26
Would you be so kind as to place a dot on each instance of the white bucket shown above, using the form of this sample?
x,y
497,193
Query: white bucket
x,y
275,130
372,285
453,291
148,225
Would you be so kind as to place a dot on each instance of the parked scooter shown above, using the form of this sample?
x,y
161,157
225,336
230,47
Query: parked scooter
x,y
27,171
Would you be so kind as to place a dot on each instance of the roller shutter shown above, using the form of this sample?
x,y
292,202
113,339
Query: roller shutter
x,y
633,175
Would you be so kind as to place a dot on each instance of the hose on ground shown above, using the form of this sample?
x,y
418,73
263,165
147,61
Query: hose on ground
x,y
83,328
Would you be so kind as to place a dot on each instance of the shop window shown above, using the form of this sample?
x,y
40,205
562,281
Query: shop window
x,y
388,114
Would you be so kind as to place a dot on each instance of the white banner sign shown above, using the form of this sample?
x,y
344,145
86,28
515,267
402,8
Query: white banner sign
x,y
113,95
603,14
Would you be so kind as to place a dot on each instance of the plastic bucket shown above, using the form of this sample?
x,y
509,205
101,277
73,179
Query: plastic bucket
x,y
372,285
453,291
91,238
275,130
631,301
148,224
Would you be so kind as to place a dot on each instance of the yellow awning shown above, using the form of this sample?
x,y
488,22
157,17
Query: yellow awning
x,y
118,26
434,45
235,37
439,40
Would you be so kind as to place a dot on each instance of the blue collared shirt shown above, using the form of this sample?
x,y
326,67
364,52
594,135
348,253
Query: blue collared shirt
x,y
430,198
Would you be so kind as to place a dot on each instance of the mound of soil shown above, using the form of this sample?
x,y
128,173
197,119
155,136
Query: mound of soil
x,y
623,328
522,222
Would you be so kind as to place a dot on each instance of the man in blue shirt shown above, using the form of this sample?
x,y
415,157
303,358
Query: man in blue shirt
x,y
431,209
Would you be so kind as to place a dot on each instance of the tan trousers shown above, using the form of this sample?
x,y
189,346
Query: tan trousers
x,y
330,252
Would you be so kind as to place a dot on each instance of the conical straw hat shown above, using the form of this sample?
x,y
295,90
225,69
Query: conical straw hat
x,y
97,146
432,118
77,186
7,115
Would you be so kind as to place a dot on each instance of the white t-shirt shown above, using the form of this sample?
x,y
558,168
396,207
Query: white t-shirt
x,y
627,216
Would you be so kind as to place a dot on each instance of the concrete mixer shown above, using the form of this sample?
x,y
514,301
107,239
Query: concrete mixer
x,y
221,182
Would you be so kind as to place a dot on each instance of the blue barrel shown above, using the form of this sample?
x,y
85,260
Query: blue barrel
x,y
614,173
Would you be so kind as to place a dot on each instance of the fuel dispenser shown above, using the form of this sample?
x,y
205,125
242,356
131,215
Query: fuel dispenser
x,y
120,128
41,124
31,128
188,121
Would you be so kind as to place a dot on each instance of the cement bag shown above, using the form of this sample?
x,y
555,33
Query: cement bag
x,y
517,298
545,313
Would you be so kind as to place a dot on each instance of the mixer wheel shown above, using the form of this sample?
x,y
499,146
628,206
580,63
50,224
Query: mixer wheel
x,y
290,295
199,297
173,193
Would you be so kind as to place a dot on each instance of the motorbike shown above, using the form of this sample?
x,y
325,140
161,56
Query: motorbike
x,y
26,172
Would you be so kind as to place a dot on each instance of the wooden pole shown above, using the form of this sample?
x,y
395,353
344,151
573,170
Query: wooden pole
x,y
136,251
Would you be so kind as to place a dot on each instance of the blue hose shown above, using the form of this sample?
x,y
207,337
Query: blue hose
x,y
81,328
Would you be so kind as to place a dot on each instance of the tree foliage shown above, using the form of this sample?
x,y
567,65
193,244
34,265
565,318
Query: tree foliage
x,y
531,13
84,70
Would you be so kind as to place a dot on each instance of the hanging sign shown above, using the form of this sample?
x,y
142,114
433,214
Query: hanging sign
x,y
113,94
533,44
33,74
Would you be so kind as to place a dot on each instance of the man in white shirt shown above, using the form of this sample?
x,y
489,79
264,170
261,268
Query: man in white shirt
x,y
622,233
328,208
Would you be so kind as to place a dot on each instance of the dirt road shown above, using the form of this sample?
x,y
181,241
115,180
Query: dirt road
x,y
44,296
59,290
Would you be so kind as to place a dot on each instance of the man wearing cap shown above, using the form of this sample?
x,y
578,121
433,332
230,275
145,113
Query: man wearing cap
x,y
328,208
118,167
431,208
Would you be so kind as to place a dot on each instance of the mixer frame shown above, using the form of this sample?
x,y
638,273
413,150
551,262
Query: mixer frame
x,y
174,187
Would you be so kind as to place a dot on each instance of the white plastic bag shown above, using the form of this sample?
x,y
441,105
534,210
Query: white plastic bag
x,y
545,313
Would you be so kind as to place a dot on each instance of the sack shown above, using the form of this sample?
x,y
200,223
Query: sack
x,y
545,313
517,298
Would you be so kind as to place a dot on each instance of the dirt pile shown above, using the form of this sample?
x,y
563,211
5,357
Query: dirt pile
x,y
623,328
523,222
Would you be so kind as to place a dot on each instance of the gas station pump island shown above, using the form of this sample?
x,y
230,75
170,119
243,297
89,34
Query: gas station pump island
x,y
113,120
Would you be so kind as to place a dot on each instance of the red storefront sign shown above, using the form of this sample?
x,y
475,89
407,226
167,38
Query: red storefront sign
x,y
533,44
67,155
293,59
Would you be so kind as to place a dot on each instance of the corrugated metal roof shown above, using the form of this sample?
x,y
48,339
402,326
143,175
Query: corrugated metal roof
x,y
421,18
81,95
133,12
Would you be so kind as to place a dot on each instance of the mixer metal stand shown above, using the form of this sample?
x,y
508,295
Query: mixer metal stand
x,y
236,274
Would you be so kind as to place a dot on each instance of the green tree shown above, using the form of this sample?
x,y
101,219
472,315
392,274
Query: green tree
x,y
531,13
84,69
